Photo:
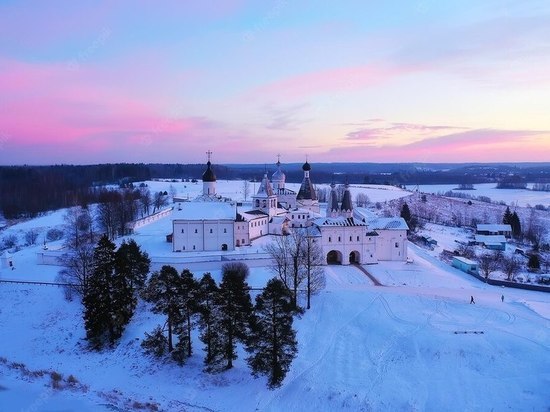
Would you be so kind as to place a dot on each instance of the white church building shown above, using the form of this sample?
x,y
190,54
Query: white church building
x,y
346,235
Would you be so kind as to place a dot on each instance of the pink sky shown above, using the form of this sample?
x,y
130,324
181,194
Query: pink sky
x,y
134,83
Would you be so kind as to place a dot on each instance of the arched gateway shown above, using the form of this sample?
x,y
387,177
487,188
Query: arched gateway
x,y
334,257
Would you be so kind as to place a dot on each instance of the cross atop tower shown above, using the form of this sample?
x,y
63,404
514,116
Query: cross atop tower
x,y
209,153
278,158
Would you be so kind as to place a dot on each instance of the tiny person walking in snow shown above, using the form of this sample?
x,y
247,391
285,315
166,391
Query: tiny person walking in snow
x,y
472,300
502,298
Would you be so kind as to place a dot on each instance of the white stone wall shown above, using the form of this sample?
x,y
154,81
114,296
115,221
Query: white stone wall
x,y
258,227
391,245
242,237
202,235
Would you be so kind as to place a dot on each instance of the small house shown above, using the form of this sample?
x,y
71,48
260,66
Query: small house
x,y
465,265
492,242
494,229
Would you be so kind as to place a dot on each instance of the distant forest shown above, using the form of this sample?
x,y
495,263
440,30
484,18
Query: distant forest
x,y
27,191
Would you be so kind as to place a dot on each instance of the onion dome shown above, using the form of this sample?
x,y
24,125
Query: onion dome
x,y
208,175
306,167
278,176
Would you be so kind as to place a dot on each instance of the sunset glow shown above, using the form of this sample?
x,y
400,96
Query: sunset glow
x,y
418,81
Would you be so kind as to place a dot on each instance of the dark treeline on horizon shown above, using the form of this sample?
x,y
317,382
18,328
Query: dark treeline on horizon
x,y
26,191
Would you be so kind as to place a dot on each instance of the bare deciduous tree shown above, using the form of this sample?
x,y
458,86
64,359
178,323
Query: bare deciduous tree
x,y
488,263
362,200
297,258
246,189
510,266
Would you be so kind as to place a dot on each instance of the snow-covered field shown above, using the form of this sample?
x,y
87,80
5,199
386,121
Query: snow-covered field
x,y
361,347
521,197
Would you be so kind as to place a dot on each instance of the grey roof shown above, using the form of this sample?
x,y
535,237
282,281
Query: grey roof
x,y
306,190
338,221
333,198
208,175
346,200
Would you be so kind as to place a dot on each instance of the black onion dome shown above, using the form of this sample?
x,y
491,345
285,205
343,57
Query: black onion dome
x,y
306,167
208,175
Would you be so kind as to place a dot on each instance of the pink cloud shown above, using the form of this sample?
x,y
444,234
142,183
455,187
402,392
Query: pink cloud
x,y
55,109
331,80
480,145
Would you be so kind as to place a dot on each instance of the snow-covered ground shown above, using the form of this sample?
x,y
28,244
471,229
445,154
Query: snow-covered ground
x,y
361,347
521,197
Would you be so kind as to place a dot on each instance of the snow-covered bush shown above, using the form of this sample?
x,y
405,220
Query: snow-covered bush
x,y
30,237
54,234
8,242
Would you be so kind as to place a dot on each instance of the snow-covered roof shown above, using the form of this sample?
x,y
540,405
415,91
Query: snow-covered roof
x,y
364,214
494,227
251,215
279,220
388,223
204,211
490,239
464,260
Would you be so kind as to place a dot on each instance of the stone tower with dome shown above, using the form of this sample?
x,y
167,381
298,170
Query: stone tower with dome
x,y
209,179
285,197
307,197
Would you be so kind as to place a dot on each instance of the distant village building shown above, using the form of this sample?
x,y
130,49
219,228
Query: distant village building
x,y
465,265
494,229
493,242
346,236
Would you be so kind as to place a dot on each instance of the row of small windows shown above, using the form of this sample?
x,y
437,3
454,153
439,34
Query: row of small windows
x,y
300,216
258,223
211,230
340,238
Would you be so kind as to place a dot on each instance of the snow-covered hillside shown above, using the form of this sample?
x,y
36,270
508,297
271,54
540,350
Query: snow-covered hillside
x,y
361,347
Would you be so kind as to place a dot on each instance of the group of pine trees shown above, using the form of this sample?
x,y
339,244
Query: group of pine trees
x,y
225,318
111,290
512,219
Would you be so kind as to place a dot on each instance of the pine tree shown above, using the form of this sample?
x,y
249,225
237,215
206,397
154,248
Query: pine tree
x,y
534,262
208,310
273,343
99,309
163,291
406,212
516,226
232,316
507,217
187,303
133,263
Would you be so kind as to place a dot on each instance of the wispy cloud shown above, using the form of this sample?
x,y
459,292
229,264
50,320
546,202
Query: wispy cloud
x,y
332,80
285,117
383,133
483,145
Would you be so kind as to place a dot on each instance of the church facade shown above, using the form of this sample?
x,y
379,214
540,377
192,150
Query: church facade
x,y
346,235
